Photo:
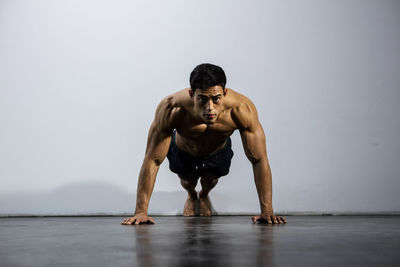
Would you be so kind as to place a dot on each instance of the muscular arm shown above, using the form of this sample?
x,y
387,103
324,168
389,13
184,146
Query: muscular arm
x,y
157,148
254,146
158,141
253,139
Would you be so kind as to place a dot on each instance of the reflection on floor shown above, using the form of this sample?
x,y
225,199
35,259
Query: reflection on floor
x,y
195,241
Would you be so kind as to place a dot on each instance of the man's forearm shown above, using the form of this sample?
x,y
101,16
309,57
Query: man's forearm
x,y
145,186
263,181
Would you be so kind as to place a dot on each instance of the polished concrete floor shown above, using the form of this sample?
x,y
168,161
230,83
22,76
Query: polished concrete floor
x,y
215,241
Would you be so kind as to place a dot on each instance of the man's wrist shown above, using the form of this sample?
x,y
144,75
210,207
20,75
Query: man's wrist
x,y
140,211
268,210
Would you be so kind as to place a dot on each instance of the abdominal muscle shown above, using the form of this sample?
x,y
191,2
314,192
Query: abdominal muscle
x,y
201,144
201,139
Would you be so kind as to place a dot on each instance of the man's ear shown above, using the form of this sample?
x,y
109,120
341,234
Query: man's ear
x,y
225,91
191,93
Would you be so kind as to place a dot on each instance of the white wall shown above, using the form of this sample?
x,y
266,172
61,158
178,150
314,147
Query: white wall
x,y
80,80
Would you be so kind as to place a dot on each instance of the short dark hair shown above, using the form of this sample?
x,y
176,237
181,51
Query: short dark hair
x,y
207,75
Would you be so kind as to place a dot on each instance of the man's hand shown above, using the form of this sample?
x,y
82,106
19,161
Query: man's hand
x,y
269,218
139,218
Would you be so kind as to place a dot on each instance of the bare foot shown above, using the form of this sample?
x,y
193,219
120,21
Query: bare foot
x,y
205,206
190,207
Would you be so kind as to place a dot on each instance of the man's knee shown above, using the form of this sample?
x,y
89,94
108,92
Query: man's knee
x,y
188,180
208,176
189,177
209,179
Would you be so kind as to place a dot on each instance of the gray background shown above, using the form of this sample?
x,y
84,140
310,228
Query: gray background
x,y
80,80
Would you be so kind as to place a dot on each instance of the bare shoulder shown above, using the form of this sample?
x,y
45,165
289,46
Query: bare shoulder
x,y
170,110
244,112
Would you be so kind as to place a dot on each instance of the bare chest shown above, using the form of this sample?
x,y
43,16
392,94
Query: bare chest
x,y
203,139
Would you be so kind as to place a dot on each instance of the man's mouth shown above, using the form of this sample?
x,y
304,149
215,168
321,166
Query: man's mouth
x,y
210,116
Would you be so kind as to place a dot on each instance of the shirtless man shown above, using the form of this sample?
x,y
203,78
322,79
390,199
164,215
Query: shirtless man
x,y
192,128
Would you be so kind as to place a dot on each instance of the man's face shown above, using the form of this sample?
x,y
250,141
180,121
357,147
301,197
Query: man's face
x,y
208,103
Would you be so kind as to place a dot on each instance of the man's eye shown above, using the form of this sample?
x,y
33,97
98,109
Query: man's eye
x,y
215,100
203,100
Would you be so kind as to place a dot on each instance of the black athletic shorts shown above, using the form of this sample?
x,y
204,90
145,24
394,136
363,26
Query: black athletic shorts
x,y
182,162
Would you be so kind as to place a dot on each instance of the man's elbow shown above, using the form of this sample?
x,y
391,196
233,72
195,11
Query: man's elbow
x,y
158,162
155,161
254,160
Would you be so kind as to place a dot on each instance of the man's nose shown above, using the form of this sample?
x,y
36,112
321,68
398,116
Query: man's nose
x,y
210,105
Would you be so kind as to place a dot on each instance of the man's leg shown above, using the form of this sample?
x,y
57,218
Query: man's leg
x,y
189,182
208,182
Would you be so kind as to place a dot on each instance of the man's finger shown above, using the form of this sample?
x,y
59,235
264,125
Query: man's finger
x,y
254,219
152,220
